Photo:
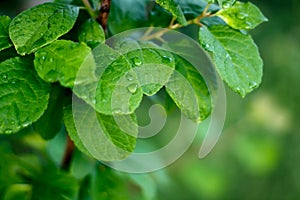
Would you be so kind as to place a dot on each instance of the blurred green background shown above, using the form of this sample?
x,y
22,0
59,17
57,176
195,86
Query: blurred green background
x,y
257,154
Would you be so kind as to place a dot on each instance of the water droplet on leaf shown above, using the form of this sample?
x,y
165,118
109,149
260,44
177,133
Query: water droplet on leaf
x,y
25,124
8,131
241,91
117,111
129,77
132,88
253,85
242,15
136,61
167,59
4,77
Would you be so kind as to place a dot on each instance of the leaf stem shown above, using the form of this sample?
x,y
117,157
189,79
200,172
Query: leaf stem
x,y
104,12
158,35
89,8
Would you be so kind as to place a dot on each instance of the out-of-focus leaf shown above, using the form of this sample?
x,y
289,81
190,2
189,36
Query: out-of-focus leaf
x,y
51,121
4,35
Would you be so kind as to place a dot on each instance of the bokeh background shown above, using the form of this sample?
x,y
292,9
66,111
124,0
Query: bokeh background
x,y
258,153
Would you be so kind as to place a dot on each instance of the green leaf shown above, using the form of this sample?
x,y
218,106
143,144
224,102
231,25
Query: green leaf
x,y
189,91
144,57
53,184
243,16
41,25
174,8
235,55
4,36
118,80
18,192
91,33
129,15
106,137
108,185
60,61
23,95
51,121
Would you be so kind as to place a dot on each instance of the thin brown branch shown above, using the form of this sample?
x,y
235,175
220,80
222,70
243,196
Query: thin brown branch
x,y
104,12
66,161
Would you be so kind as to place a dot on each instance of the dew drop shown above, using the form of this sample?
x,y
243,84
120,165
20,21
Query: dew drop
x,y
117,111
25,124
12,122
8,131
242,15
253,85
132,88
4,77
136,61
244,32
226,5
207,46
241,92
167,59
129,77
104,100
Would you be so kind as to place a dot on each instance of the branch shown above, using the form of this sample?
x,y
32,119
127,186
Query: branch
x,y
66,161
104,12
158,35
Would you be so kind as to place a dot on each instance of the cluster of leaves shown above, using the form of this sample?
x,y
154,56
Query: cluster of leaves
x,y
42,49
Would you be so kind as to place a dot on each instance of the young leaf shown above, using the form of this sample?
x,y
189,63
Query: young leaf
x,y
106,137
243,16
235,55
4,36
91,33
41,25
188,90
60,61
174,8
51,121
23,95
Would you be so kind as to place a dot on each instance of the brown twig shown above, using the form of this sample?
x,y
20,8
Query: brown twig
x,y
66,161
104,12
